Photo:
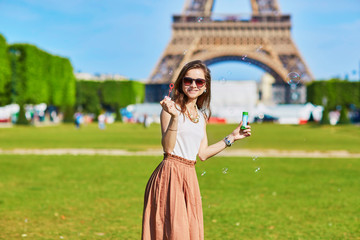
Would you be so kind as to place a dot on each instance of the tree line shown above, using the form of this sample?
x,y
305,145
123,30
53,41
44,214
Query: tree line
x,y
29,75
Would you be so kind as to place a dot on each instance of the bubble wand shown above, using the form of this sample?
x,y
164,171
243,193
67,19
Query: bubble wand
x,y
171,86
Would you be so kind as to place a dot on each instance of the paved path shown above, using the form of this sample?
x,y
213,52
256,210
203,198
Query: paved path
x,y
157,152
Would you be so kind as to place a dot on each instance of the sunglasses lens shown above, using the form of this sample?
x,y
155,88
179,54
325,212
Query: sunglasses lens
x,y
187,81
199,83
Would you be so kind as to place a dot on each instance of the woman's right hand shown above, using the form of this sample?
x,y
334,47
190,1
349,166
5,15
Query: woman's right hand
x,y
169,106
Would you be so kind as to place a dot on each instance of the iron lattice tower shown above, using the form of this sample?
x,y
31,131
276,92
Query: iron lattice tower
x,y
262,38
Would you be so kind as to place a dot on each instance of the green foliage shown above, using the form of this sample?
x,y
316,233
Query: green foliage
x,y
344,116
88,96
333,93
68,114
22,118
120,94
325,118
5,73
41,77
123,93
92,96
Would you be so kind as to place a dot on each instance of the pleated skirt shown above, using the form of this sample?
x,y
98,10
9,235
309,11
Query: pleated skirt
x,y
172,202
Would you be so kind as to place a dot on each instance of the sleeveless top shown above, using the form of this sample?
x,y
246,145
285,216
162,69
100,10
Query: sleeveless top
x,y
189,136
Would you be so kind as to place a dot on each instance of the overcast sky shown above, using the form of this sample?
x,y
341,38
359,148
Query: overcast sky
x,y
128,36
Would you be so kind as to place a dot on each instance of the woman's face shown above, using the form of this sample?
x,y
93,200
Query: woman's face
x,y
194,90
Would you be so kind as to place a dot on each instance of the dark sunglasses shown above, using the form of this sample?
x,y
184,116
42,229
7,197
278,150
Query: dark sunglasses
x,y
199,82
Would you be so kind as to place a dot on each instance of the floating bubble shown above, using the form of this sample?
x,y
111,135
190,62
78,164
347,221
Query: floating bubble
x,y
294,95
293,79
200,19
222,80
185,51
171,72
254,158
225,170
244,57
257,169
237,224
203,173
229,73
259,48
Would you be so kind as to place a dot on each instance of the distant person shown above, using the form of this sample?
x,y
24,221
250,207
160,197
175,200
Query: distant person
x,y
172,202
147,121
78,119
101,121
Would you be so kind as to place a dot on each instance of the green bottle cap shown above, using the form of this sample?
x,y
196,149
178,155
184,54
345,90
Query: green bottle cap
x,y
245,113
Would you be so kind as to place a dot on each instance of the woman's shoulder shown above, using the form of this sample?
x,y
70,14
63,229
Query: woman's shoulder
x,y
203,115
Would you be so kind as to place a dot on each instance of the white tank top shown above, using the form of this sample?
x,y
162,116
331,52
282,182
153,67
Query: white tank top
x,y
189,136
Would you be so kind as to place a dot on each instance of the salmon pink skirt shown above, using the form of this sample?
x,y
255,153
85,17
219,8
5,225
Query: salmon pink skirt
x,y
172,202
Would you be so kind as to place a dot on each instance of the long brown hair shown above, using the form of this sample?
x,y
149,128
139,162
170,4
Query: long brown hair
x,y
203,101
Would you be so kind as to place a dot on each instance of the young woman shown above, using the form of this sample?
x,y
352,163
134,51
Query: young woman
x,y
172,203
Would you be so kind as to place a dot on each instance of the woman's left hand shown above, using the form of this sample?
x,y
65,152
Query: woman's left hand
x,y
239,133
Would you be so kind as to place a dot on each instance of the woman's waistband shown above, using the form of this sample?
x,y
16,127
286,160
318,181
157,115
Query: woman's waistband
x,y
168,156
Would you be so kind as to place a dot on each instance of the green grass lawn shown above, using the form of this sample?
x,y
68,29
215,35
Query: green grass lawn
x,y
101,197
135,137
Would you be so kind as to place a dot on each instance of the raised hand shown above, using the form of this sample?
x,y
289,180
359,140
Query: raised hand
x,y
241,133
169,106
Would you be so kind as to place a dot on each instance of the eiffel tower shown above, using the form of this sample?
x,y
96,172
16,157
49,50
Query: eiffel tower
x,y
262,39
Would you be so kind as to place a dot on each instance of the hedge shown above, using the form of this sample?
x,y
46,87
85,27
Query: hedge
x,y
5,74
88,96
112,95
41,77
332,93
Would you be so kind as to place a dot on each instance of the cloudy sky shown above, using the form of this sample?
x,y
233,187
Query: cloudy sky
x,y
128,36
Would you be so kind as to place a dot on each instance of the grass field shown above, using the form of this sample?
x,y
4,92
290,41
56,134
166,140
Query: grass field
x,y
134,137
101,197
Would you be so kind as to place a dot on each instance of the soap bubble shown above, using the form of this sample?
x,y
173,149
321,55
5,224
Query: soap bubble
x,y
185,51
254,158
225,170
200,19
295,96
222,80
257,169
203,173
243,57
293,79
